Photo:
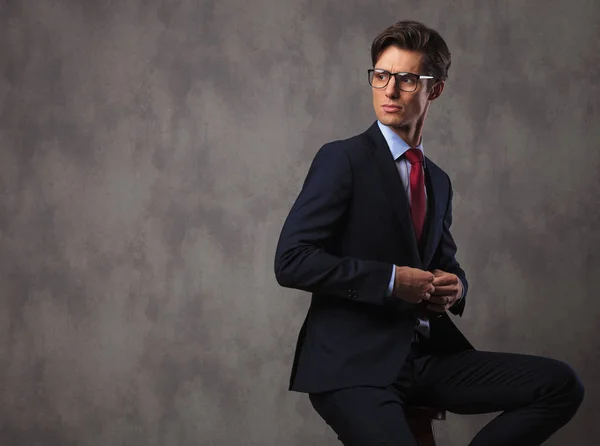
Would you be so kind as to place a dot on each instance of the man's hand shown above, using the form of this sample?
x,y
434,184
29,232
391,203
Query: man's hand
x,y
413,285
447,290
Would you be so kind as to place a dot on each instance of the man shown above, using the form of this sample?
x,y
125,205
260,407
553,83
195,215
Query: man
x,y
369,237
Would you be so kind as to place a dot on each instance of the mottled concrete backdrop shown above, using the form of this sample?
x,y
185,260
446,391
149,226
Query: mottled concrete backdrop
x,y
150,150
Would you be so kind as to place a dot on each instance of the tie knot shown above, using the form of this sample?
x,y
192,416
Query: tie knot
x,y
414,156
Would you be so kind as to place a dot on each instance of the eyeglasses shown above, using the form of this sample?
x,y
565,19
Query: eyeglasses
x,y
404,81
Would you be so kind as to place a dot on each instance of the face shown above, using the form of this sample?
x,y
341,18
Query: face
x,y
400,109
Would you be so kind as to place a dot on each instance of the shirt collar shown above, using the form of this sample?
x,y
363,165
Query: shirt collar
x,y
396,144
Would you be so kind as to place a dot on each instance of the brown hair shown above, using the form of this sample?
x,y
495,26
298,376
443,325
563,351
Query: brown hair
x,y
415,36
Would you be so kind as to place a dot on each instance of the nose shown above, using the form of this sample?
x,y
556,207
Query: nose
x,y
391,89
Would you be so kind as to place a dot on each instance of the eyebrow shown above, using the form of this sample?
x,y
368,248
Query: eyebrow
x,y
403,72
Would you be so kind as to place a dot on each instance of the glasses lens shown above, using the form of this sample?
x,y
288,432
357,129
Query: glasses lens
x,y
407,82
379,79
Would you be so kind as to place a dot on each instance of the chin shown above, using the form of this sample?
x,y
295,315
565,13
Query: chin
x,y
391,121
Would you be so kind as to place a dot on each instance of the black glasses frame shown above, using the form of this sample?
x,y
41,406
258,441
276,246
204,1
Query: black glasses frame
x,y
417,77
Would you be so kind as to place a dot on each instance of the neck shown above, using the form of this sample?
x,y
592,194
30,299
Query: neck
x,y
411,133
412,137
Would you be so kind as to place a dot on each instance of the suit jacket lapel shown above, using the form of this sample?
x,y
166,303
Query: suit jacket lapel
x,y
392,185
434,214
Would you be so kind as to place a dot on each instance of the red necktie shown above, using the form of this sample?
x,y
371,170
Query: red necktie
x,y
417,190
417,212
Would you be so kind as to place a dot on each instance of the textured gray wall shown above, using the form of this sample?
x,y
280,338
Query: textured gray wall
x,y
150,150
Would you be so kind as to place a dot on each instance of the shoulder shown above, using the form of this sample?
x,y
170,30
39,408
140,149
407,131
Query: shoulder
x,y
349,148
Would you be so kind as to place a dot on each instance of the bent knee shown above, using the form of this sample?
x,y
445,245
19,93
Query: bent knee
x,y
567,382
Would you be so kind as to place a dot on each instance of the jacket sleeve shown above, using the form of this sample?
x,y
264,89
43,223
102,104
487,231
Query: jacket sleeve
x,y
303,259
445,256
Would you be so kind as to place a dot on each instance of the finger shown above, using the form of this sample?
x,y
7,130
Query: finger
x,y
441,299
446,279
443,290
437,300
427,289
436,308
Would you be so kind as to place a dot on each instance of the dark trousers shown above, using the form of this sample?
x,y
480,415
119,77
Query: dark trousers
x,y
536,395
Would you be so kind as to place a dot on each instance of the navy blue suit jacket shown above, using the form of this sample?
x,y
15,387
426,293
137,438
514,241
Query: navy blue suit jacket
x,y
349,225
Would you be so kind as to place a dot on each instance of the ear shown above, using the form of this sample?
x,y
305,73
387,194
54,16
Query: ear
x,y
436,90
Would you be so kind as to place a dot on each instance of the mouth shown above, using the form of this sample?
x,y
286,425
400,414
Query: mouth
x,y
391,108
